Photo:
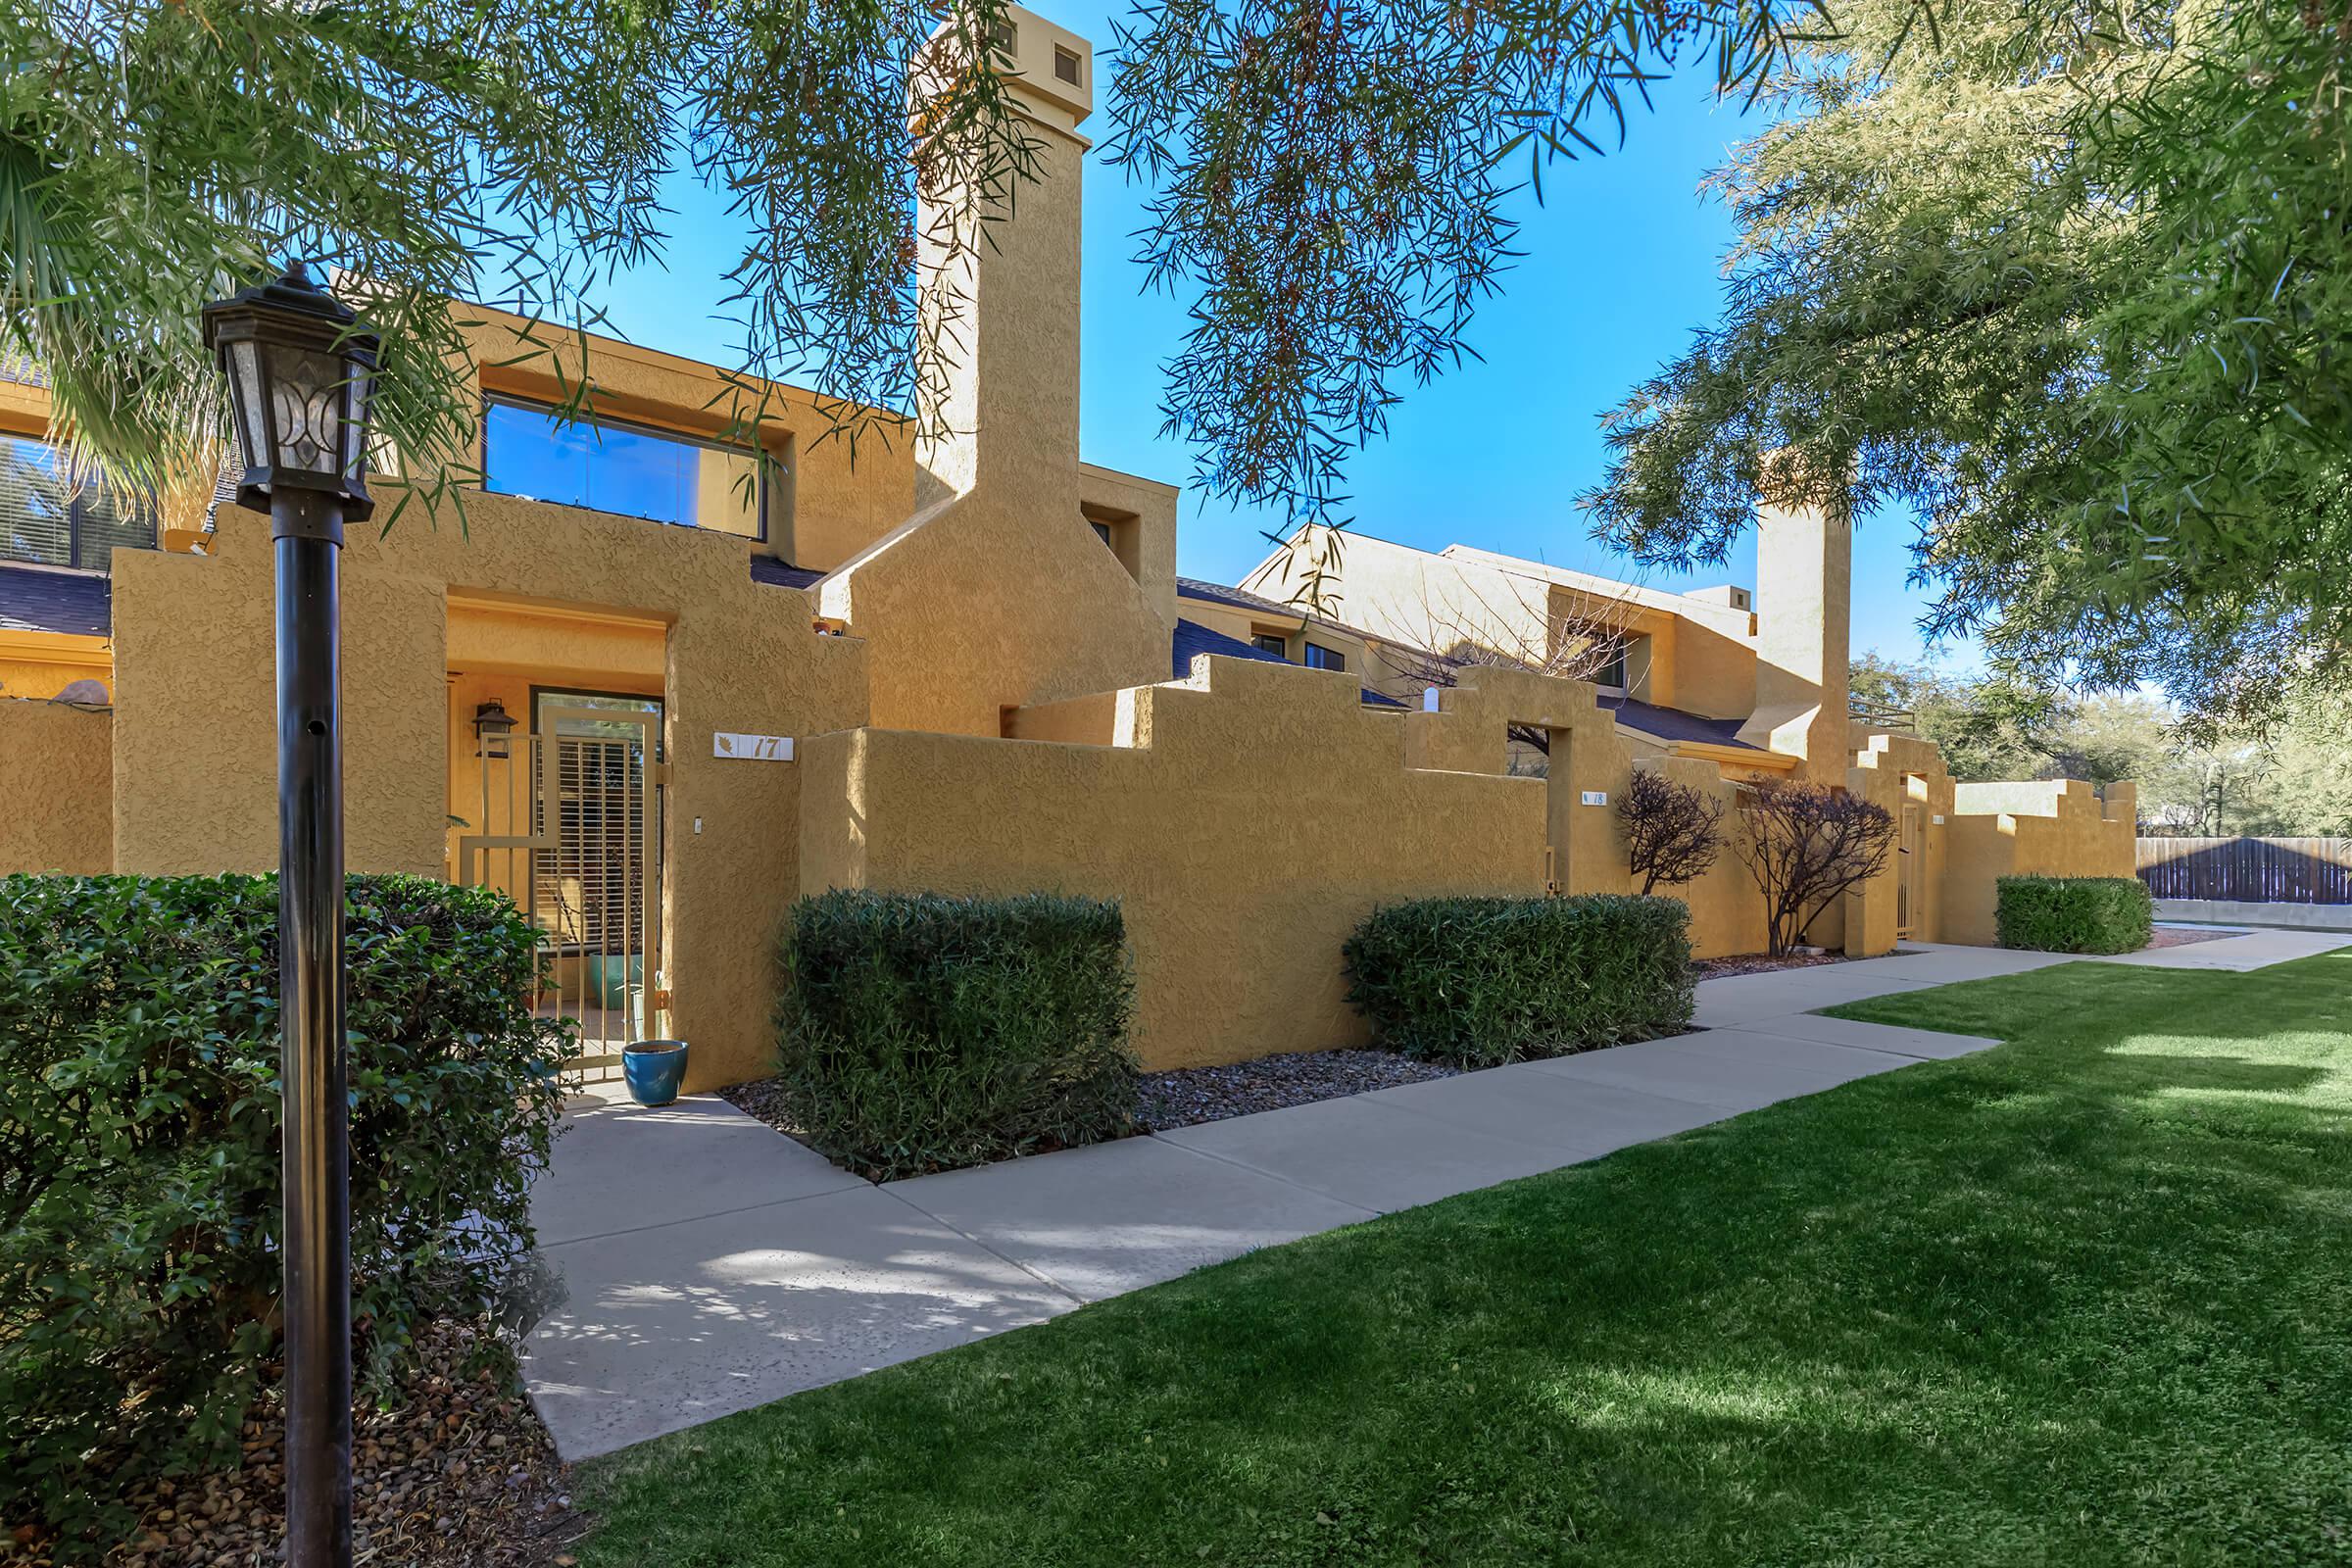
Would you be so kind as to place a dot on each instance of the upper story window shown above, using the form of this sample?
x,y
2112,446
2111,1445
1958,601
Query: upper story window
x,y
1319,656
1271,642
632,469
49,519
1611,669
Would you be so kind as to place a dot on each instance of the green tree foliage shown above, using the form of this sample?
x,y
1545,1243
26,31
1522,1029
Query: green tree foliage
x,y
2069,286
155,156
2293,779
1327,184
1988,727
2309,784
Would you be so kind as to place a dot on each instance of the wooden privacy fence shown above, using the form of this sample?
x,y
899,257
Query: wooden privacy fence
x,y
2249,870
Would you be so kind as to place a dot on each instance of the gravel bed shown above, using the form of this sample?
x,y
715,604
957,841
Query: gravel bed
x,y
1191,1095
458,1474
1760,963
763,1100
1194,1095
2179,936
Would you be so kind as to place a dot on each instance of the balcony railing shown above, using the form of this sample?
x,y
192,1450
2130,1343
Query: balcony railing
x,y
1899,720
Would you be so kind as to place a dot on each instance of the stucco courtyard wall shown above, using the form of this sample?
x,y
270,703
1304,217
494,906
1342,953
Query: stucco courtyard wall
x,y
1589,756
1242,882
1895,773
56,776
194,768
1239,882
2047,827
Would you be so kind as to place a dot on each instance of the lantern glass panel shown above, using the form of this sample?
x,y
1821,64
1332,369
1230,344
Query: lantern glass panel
x,y
253,417
358,384
306,395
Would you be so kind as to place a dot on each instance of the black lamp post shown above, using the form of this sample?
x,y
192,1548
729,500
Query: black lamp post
x,y
299,371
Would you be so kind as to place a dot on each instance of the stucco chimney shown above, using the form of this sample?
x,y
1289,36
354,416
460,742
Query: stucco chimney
x,y
1805,585
1001,283
996,594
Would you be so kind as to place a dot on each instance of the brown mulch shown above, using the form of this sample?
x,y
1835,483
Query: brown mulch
x,y
1190,1096
1760,963
460,1473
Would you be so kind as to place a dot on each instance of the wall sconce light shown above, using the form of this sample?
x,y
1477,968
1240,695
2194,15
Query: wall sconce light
x,y
494,728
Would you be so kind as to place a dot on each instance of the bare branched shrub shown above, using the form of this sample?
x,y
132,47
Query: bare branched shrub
x,y
1807,845
1675,830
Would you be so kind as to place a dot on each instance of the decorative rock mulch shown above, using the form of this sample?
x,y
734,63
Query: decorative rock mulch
x,y
1191,1095
1194,1095
2175,936
1760,963
460,1473
763,1100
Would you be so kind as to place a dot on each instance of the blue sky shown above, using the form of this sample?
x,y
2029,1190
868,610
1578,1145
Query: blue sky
x,y
1622,263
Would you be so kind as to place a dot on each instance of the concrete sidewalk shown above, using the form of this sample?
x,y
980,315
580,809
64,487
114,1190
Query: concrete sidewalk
x,y
710,1264
2255,949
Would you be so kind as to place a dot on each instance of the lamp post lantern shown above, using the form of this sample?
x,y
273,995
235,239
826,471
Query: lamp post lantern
x,y
299,371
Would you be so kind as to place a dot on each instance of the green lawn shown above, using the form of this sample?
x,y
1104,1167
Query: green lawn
x,y
2082,1299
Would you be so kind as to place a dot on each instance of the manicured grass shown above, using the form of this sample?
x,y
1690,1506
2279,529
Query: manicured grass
x,y
2084,1299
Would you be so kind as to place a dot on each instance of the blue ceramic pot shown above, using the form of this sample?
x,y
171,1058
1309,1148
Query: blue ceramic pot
x,y
654,1069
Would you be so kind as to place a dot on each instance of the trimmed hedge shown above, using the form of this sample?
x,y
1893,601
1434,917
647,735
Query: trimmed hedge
x,y
2075,913
921,1033
140,1136
1480,982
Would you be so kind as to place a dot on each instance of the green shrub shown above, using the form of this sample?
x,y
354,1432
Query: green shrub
x,y
2075,913
1479,982
140,1135
922,1033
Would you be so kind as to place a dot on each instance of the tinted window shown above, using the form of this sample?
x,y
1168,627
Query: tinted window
x,y
1612,669
47,518
1319,656
624,468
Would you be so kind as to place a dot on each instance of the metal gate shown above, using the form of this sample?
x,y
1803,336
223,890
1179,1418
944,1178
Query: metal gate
x,y
572,833
1910,869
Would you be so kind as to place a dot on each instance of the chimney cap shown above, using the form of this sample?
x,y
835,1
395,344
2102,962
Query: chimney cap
x,y
1031,54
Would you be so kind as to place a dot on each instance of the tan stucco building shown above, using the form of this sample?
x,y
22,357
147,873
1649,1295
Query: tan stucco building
x,y
657,683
